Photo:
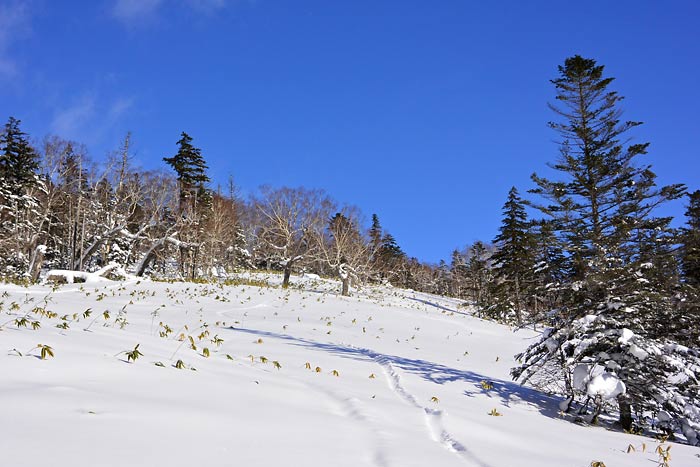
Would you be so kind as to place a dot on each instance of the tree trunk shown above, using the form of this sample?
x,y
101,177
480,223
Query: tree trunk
x,y
148,257
518,302
623,401
346,287
287,274
36,262
97,242
598,406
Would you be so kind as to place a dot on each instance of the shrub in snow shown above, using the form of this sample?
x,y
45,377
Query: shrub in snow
x,y
609,363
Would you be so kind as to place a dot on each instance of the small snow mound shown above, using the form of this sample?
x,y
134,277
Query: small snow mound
x,y
626,336
69,277
581,376
638,352
586,321
607,386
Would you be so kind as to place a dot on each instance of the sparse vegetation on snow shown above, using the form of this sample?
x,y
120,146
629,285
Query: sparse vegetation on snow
x,y
426,400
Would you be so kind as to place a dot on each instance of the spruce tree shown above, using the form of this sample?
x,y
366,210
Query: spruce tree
x,y
513,259
690,252
600,210
375,235
687,321
18,160
20,196
548,268
195,201
191,170
480,275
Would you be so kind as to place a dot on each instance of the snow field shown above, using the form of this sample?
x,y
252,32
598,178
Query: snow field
x,y
425,403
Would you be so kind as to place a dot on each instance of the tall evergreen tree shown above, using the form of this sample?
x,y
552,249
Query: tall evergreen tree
x,y
18,160
195,201
18,201
480,275
598,213
548,268
690,252
375,236
687,322
513,259
191,170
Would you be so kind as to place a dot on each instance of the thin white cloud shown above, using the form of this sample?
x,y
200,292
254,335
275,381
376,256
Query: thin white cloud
x,y
91,118
71,121
14,24
207,5
119,108
130,11
135,12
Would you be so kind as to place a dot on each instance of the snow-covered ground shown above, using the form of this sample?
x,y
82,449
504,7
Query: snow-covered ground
x,y
297,377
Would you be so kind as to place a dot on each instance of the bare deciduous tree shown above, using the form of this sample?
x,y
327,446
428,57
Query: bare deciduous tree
x,y
288,219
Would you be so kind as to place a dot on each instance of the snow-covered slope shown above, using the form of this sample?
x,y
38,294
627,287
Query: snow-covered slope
x,y
298,377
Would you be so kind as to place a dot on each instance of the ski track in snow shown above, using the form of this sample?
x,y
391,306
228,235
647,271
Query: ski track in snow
x,y
350,407
432,417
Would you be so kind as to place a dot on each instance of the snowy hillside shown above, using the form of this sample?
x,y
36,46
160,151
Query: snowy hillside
x,y
297,377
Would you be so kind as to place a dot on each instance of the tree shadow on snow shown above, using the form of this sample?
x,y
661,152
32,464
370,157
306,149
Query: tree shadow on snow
x,y
438,306
507,392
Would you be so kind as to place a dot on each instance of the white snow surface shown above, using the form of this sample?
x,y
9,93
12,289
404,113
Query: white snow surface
x,y
408,390
606,385
625,336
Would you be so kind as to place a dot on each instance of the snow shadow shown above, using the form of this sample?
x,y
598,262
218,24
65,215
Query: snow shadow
x,y
506,392
438,306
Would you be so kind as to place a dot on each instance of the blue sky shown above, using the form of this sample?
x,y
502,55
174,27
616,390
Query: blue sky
x,y
425,113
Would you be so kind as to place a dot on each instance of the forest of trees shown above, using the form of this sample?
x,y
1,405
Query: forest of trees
x,y
59,209
585,255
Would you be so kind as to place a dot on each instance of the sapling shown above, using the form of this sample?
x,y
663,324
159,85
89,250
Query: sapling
x,y
495,413
217,341
45,351
88,312
664,453
21,322
486,385
133,354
